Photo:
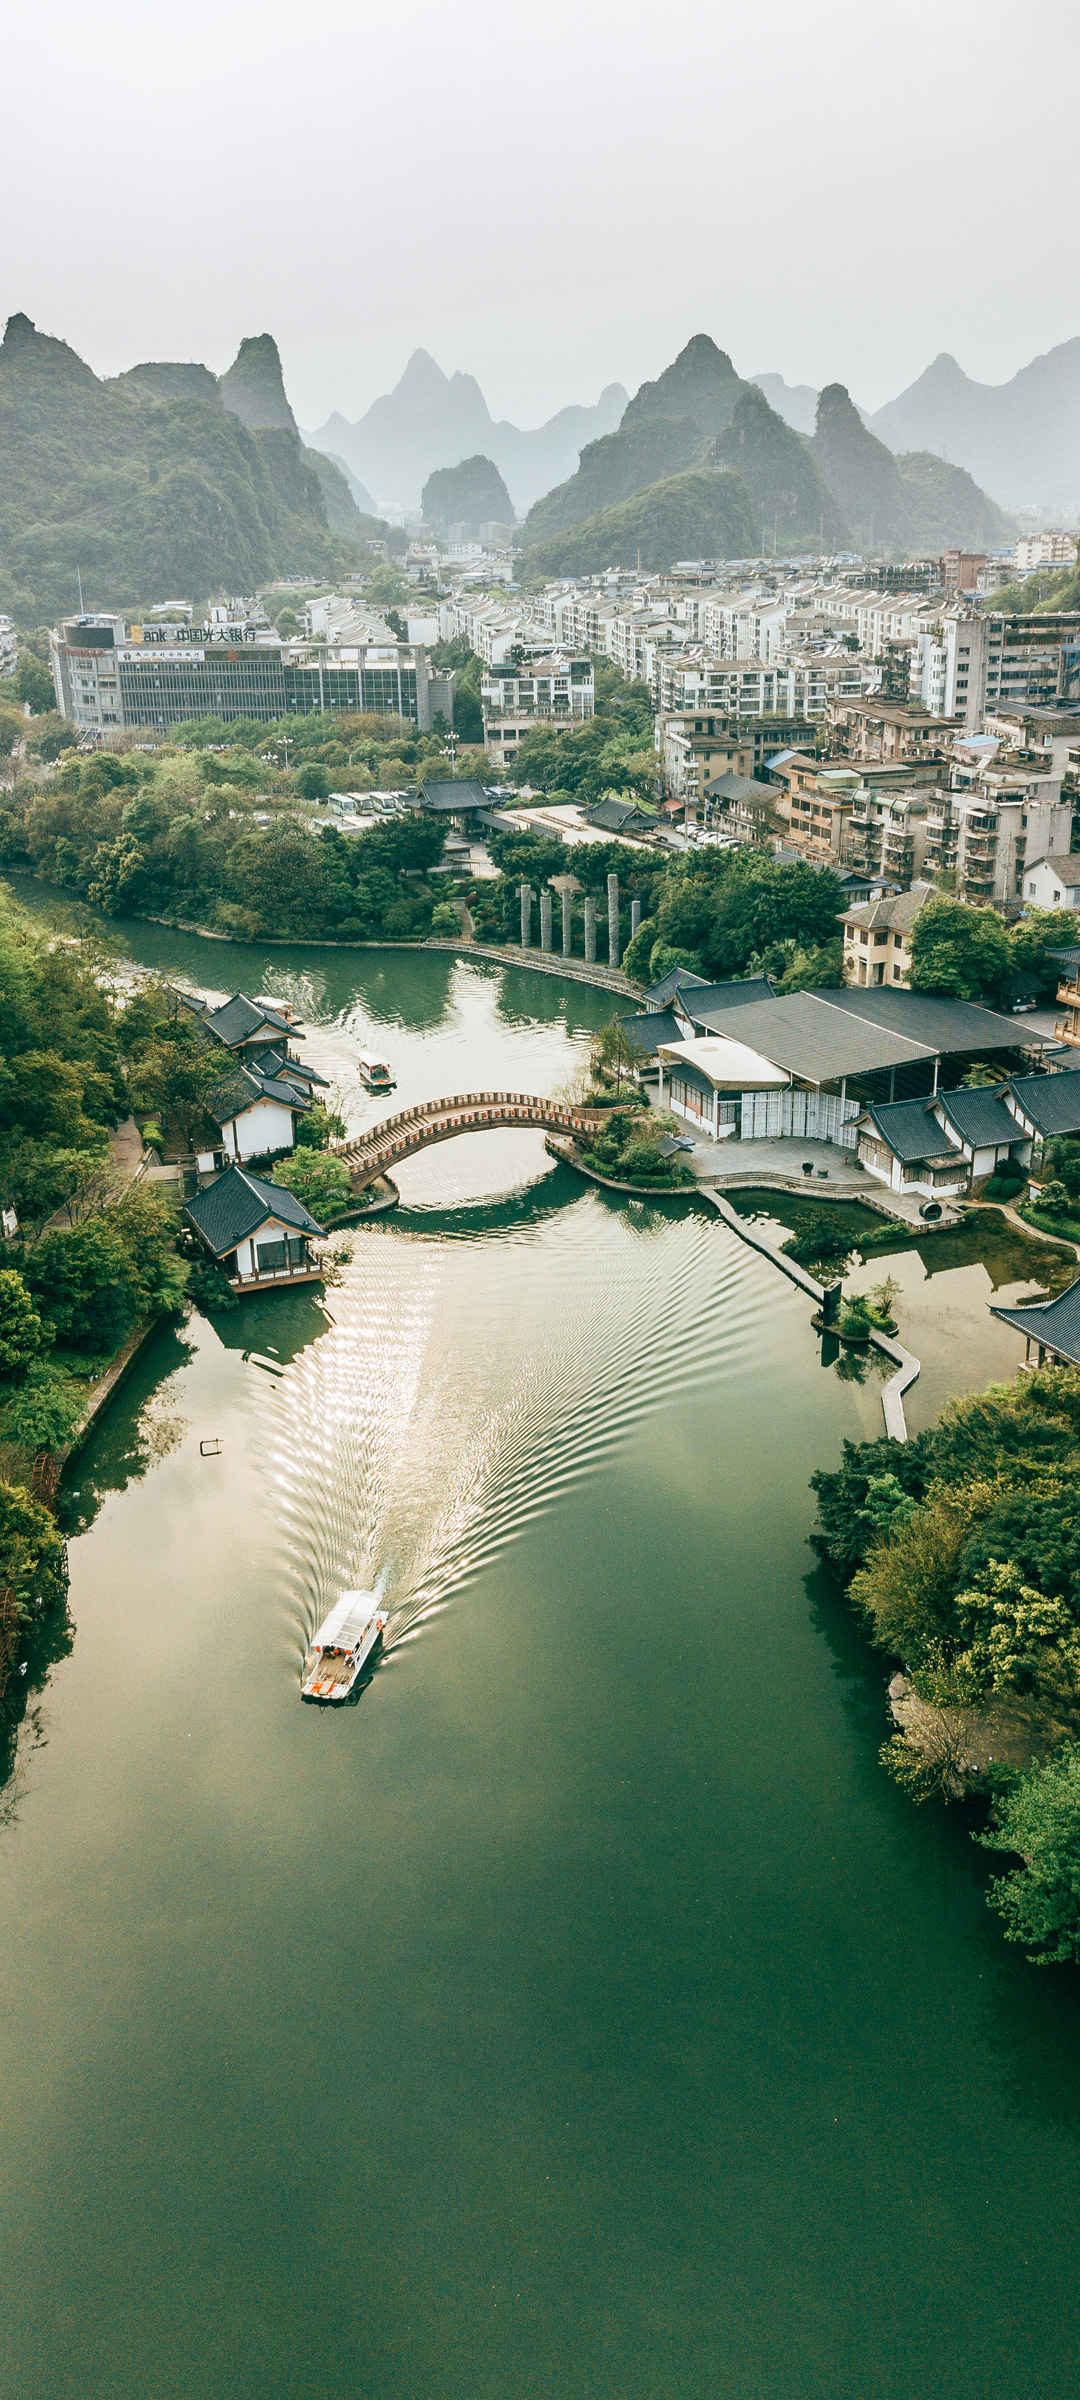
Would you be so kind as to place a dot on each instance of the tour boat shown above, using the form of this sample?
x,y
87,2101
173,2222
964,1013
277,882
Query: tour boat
x,y
343,1644
376,1074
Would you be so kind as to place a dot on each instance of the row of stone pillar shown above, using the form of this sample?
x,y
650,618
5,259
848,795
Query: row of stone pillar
x,y
567,906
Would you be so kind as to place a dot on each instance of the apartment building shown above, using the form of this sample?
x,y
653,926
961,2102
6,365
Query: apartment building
x,y
967,666
557,691
1050,549
109,674
877,937
887,833
694,750
894,732
492,628
962,569
801,687
816,798
984,842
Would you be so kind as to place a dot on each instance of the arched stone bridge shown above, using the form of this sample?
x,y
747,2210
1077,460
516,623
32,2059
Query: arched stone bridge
x,y
381,1147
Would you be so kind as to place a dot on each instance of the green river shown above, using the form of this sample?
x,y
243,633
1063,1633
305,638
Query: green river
x,y
582,2012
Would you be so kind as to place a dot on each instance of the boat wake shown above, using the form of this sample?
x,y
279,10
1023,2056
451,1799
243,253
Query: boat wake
x,y
447,1408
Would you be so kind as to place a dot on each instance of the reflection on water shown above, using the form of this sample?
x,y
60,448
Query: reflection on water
x,y
133,1434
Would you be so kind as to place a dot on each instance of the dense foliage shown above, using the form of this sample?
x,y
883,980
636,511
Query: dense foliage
x,y
88,1259
724,911
704,512
185,836
961,1550
971,954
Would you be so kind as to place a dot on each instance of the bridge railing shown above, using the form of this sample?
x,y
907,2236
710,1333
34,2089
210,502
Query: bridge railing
x,y
519,1105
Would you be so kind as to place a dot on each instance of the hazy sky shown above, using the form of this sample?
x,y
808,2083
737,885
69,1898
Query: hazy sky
x,y
553,196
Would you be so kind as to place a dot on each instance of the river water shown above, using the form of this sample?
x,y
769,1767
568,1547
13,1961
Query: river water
x,y
582,2011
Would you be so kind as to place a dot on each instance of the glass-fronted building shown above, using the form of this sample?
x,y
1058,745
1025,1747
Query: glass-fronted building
x,y
109,674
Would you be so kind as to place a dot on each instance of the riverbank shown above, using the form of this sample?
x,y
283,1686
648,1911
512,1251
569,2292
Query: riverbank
x,y
541,962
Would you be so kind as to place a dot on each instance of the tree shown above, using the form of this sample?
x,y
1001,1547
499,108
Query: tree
x,y
318,1179
320,1126
312,782
44,1409
34,685
1039,1824
959,950
177,1077
21,1331
615,1054
32,1569
639,950
1033,941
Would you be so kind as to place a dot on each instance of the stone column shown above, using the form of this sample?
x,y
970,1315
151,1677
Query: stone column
x,y
567,922
635,915
613,920
526,916
545,918
590,930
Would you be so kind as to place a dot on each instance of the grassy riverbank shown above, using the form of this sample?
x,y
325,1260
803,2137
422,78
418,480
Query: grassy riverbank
x,y
828,1233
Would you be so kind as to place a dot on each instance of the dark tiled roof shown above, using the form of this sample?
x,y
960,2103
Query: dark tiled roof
x,y
1052,1102
1053,1322
615,816
677,979
805,1034
275,1062
741,787
981,1117
246,1087
656,1026
911,1131
239,1018
932,1021
237,1203
452,796
709,1006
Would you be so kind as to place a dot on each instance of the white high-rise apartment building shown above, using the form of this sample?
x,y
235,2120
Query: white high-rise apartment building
x,y
966,665
1050,549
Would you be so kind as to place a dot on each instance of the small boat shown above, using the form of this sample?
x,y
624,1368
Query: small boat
x,y
376,1074
344,1642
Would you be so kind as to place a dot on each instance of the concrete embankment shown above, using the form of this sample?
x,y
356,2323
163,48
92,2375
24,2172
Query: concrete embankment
x,y
905,1362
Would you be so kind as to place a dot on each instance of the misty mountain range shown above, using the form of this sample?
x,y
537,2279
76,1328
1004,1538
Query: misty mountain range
x,y
168,480
433,420
699,444
1020,440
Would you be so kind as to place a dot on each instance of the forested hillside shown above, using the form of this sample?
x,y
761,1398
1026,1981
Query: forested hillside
x,y
150,487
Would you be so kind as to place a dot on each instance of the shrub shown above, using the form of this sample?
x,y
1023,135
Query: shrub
x,y
1006,1184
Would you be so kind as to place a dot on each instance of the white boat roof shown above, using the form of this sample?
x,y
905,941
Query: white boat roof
x,y
348,1619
